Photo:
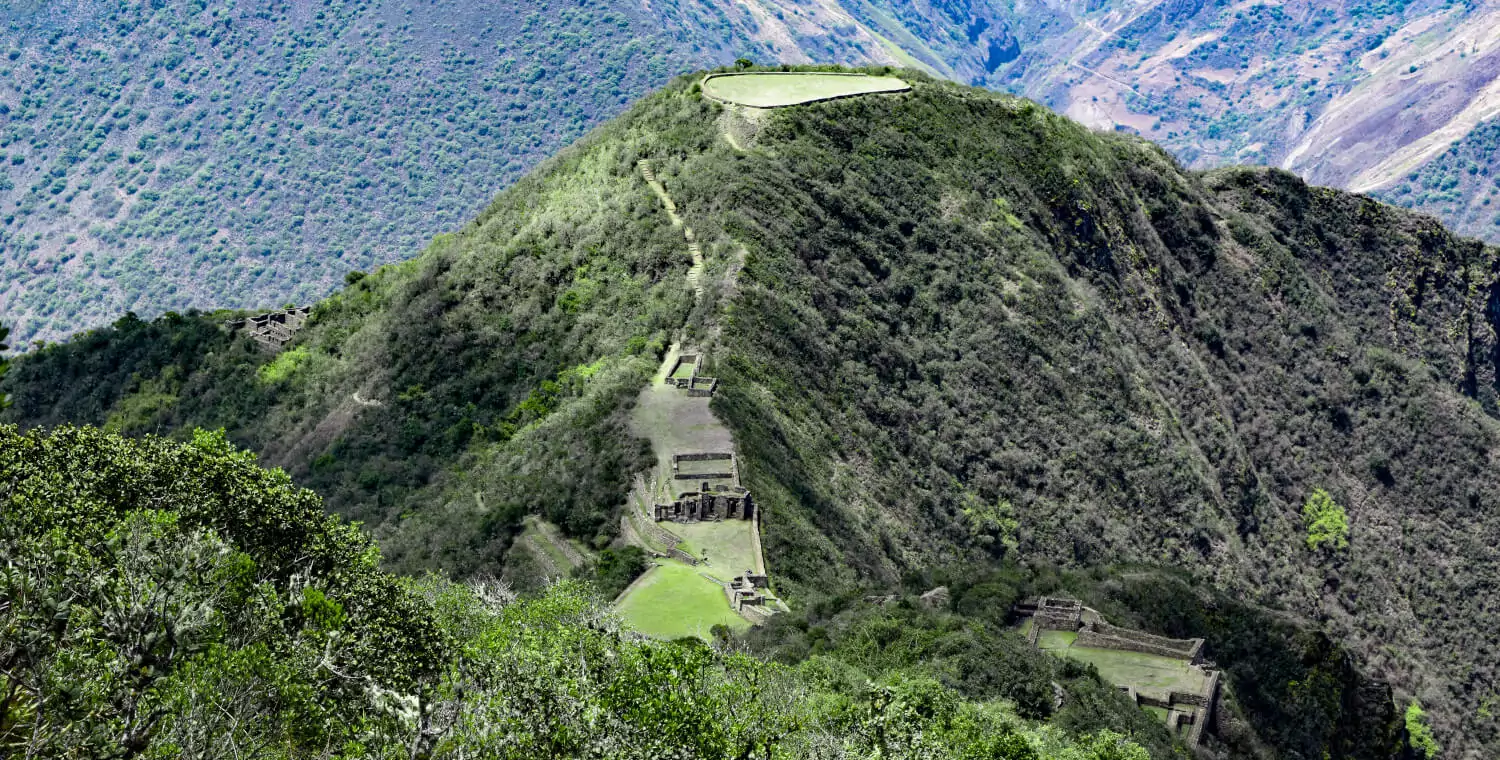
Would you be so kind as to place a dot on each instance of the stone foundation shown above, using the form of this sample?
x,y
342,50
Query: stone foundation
x,y
1186,709
697,506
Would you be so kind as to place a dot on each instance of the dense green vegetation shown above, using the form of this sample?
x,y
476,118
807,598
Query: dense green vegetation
x,y
1421,734
966,330
169,600
1290,691
954,301
497,372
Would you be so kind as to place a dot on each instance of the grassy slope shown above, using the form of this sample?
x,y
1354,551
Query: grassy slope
x,y
727,544
504,362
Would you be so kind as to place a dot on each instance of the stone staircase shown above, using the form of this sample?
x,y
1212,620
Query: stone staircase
x,y
695,273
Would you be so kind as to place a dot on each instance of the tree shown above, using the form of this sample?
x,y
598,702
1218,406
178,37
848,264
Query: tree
x,y
1327,523
1419,733
743,63
4,364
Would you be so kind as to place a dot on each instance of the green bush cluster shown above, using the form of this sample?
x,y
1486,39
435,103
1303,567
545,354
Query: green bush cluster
x,y
1327,523
1461,186
1421,734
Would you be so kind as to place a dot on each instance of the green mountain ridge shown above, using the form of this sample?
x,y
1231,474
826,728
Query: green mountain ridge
x,y
950,327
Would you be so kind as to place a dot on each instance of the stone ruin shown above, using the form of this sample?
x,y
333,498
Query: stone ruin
x,y
712,501
1185,710
692,382
745,591
934,599
728,503
1051,614
272,330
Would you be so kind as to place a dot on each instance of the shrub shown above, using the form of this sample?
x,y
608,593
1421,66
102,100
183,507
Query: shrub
x,y
1327,523
1420,733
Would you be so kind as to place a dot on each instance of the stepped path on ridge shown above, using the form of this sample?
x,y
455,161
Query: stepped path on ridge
x,y
695,273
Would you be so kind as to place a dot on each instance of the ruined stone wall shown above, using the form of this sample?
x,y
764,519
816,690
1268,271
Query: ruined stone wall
x,y
1096,640
711,456
1206,712
274,329
1049,620
1187,649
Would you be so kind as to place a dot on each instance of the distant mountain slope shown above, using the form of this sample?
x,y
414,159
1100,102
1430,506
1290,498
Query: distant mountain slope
x,y
1355,94
950,327
1461,186
166,155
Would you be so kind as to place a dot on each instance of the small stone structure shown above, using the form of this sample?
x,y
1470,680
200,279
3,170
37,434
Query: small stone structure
x,y
1184,709
693,383
272,330
1052,614
732,503
935,599
745,591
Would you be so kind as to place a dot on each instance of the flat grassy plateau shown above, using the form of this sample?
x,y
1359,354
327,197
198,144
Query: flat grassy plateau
x,y
1143,671
773,89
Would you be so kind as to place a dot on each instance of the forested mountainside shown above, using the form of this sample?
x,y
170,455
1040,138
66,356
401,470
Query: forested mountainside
x,y
175,600
951,327
167,155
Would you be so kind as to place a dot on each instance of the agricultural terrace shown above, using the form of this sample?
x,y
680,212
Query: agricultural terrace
x,y
771,89
672,601
1145,672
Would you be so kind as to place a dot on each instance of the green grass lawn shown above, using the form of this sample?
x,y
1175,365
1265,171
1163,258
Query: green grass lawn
x,y
727,545
673,601
705,466
1055,641
675,422
1143,671
772,89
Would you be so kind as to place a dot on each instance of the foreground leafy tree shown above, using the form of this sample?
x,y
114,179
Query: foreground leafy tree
x,y
178,598
162,599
